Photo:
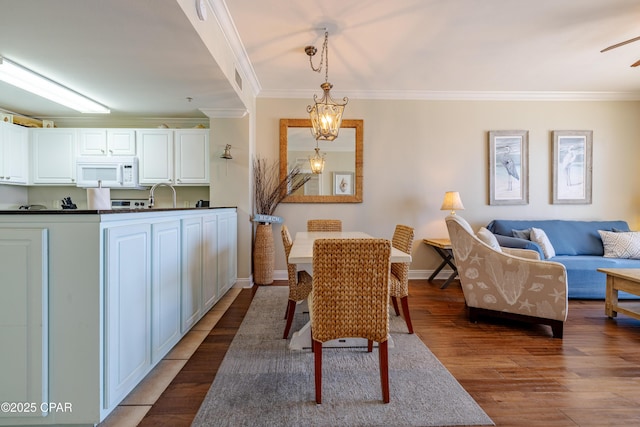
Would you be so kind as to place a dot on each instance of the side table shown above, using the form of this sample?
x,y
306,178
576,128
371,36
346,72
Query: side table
x,y
442,248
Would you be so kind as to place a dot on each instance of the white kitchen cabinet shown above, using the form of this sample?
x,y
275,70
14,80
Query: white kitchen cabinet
x,y
209,261
106,142
192,156
165,288
127,310
191,291
14,154
24,322
53,153
179,157
155,152
93,301
227,251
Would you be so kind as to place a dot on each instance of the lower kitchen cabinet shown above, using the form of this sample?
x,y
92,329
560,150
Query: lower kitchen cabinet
x,y
191,292
127,320
24,322
209,261
165,288
93,302
227,251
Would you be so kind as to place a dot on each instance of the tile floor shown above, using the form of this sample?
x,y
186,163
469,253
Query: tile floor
x,y
134,407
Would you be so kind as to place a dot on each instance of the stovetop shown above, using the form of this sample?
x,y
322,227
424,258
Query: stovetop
x,y
129,203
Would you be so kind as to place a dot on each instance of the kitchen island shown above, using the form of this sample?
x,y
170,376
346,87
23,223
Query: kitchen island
x,y
92,300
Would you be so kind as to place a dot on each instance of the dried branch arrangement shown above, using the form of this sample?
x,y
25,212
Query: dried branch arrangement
x,y
269,189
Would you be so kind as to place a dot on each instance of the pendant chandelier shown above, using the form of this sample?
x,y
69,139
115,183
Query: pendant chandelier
x,y
325,113
317,161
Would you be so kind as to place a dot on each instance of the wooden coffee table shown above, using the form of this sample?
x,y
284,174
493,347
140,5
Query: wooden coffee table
x,y
621,279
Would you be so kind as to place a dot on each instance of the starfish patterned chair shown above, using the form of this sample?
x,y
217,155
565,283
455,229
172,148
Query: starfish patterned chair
x,y
507,283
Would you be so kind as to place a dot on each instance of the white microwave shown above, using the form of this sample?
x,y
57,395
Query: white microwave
x,y
110,172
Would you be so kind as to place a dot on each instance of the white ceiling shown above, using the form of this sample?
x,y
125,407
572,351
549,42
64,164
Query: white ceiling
x,y
144,58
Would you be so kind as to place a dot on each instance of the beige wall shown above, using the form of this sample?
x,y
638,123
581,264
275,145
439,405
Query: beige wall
x,y
230,181
414,151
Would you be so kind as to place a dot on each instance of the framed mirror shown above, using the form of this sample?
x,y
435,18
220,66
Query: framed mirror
x,y
341,180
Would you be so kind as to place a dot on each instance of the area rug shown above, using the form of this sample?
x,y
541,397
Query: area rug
x,y
263,383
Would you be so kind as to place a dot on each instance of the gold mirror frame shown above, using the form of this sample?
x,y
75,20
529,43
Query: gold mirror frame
x,y
358,125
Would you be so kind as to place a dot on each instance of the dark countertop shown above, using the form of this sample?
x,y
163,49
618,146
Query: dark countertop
x,y
98,212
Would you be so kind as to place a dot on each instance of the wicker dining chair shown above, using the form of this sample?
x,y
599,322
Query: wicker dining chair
x,y
299,282
350,298
324,225
399,280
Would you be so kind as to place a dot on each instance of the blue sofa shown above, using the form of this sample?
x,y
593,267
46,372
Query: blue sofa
x,y
577,245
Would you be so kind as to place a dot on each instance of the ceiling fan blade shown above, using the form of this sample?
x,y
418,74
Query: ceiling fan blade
x,y
620,44
635,64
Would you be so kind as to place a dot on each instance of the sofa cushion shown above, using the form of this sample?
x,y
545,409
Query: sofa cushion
x,y
517,243
568,237
522,234
540,237
585,281
624,245
487,237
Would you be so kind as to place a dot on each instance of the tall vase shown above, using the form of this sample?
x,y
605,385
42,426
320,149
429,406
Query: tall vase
x,y
263,255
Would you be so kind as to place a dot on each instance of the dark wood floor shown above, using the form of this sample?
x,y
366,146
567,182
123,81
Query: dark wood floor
x,y
517,373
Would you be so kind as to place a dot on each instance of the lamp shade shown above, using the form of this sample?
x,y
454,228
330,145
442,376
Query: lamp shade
x,y
452,202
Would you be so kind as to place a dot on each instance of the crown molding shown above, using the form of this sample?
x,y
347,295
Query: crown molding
x,y
464,95
224,113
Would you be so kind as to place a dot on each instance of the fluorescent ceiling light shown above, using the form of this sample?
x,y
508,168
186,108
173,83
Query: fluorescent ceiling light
x,y
26,79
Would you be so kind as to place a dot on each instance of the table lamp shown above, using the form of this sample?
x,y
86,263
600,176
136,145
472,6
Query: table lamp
x,y
452,202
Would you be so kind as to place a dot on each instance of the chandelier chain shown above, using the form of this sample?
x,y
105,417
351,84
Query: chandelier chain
x,y
324,58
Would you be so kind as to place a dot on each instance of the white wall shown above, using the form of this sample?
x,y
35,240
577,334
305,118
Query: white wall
x,y
12,196
414,151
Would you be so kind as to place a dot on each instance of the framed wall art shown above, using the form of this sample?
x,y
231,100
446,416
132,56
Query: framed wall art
x,y
572,166
342,183
509,167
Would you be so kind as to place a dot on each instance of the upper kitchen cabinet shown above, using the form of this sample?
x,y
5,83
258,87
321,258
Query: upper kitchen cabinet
x,y
106,142
14,154
179,157
53,156
155,152
192,156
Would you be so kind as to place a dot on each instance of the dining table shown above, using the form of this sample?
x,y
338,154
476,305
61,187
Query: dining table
x,y
301,254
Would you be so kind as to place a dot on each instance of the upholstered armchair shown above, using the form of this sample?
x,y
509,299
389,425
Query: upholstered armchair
x,y
500,284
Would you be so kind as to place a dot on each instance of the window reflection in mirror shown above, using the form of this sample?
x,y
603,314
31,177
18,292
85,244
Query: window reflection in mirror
x,y
341,180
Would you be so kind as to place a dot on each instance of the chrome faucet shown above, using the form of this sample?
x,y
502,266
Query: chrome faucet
x,y
153,189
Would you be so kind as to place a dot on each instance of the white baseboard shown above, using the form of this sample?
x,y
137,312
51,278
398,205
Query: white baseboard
x,y
244,282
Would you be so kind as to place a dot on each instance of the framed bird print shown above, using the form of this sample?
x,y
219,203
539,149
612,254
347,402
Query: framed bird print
x,y
509,167
572,166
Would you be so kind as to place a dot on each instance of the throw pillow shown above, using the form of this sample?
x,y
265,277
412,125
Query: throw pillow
x,y
522,234
625,244
487,237
540,237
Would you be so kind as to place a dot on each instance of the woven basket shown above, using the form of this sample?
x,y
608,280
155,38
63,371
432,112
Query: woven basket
x,y
263,255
